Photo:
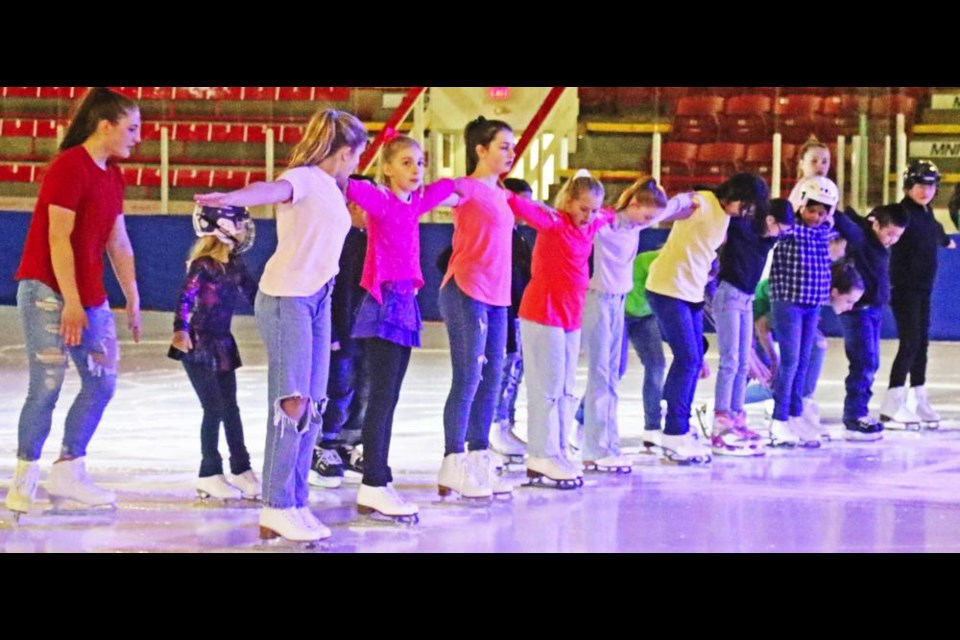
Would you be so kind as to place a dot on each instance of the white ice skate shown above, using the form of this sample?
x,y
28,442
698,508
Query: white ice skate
x,y
23,488
809,435
248,483
685,449
782,434
609,464
68,481
894,412
505,442
811,414
456,476
553,472
386,502
730,442
652,440
485,465
311,521
929,419
217,487
289,524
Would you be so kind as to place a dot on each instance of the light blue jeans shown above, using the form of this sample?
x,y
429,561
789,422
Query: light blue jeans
x,y
296,332
95,358
733,316
551,367
603,316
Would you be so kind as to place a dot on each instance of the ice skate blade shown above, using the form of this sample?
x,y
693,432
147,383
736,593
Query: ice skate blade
x,y
449,493
378,516
739,452
537,479
687,462
618,470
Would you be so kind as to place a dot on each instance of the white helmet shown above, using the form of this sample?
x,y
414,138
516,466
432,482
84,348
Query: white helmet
x,y
819,189
231,225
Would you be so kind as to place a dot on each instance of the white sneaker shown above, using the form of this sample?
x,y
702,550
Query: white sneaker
x,y
505,442
685,449
782,434
385,501
485,464
68,480
289,524
217,487
23,487
924,411
456,476
248,483
312,523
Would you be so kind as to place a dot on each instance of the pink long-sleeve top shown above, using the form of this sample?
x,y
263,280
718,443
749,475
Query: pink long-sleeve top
x,y
482,243
393,232
558,288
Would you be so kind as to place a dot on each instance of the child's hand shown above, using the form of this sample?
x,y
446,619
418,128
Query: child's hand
x,y
181,341
953,244
704,370
335,345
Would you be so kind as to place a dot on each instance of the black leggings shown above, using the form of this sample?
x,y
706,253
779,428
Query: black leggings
x,y
386,365
911,309
217,391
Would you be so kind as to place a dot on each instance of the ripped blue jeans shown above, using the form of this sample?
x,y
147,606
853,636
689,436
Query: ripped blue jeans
x,y
296,333
478,343
96,360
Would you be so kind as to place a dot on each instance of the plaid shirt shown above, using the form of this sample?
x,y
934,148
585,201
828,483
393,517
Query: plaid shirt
x,y
801,266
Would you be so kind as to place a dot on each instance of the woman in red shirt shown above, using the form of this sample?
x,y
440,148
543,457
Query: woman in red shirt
x,y
61,297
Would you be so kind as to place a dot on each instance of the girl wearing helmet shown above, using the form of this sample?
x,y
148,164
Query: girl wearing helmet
x,y
216,279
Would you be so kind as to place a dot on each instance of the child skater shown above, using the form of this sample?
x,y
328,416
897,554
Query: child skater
x,y
913,269
742,259
868,247
388,320
217,278
675,290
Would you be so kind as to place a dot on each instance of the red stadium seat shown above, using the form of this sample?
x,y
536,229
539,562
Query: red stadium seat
x,y
677,158
192,178
258,93
759,158
17,172
229,179
21,92
695,119
719,159
796,116
744,118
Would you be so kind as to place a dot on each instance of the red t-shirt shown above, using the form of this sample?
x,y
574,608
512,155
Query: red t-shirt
x,y
75,182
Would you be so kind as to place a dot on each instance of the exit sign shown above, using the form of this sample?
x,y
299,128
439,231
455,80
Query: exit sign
x,y
498,93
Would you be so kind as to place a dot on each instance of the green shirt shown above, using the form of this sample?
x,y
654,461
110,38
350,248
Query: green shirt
x,y
761,300
637,305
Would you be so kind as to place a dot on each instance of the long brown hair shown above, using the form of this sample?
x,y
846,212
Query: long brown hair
x,y
100,103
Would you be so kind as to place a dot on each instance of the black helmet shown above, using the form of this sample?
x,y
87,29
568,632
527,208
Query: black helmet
x,y
921,172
